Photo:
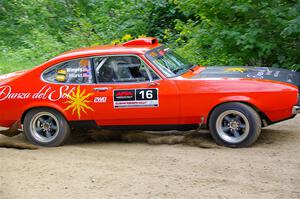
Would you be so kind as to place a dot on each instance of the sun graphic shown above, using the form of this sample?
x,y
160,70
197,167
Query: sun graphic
x,y
78,102
242,70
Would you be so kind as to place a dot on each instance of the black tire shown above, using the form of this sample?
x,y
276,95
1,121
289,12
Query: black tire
x,y
231,131
35,125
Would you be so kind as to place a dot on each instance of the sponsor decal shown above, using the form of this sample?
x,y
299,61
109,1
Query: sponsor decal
x,y
61,76
135,98
84,72
77,99
153,54
124,95
264,73
62,72
78,102
46,92
100,100
241,70
84,62
163,52
276,74
258,75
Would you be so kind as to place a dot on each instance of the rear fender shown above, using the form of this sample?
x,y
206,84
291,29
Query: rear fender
x,y
43,105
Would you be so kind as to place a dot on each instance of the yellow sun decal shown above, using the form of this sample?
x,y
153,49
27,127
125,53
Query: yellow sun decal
x,y
79,102
242,70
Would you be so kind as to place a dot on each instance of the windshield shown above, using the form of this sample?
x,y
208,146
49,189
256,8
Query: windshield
x,y
168,62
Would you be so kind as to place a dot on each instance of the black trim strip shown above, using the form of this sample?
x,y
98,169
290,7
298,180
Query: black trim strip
x,y
90,124
93,69
184,127
83,124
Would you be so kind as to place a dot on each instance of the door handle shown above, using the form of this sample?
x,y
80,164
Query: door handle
x,y
153,83
101,89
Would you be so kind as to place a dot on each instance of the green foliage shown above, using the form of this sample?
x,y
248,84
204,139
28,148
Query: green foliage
x,y
243,32
209,32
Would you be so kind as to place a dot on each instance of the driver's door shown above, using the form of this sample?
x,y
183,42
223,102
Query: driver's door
x,y
128,92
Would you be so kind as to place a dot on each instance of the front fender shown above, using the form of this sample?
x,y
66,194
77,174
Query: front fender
x,y
276,106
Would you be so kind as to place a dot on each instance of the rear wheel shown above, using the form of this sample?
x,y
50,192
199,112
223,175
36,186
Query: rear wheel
x,y
46,127
235,125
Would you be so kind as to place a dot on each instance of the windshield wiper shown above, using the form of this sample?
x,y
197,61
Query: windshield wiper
x,y
191,66
177,70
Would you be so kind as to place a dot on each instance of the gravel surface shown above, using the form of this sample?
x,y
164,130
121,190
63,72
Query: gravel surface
x,y
94,169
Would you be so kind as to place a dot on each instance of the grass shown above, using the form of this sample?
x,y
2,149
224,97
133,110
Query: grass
x,y
8,65
19,59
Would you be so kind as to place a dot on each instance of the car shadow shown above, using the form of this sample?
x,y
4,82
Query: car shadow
x,y
202,139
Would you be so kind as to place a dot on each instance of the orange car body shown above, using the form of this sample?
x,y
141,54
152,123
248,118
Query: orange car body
x,y
182,101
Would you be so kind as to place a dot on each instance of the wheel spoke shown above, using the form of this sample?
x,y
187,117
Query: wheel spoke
x,y
42,120
50,120
48,134
54,127
42,133
237,118
225,128
236,133
39,129
242,126
227,118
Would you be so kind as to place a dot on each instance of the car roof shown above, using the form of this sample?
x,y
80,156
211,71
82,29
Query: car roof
x,y
137,46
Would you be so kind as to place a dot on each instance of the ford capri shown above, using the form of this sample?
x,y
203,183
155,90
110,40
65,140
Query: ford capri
x,y
144,85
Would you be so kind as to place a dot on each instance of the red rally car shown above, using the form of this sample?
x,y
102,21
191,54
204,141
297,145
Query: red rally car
x,y
144,85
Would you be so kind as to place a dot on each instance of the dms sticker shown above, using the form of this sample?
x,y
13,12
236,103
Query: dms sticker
x,y
135,98
241,70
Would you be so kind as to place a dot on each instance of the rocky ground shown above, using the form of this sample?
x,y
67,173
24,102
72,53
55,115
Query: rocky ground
x,y
145,166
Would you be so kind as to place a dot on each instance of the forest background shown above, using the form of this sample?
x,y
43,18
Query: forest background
x,y
207,32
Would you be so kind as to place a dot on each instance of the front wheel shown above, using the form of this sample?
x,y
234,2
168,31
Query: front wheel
x,y
46,127
235,125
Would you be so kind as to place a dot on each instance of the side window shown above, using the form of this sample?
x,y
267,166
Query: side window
x,y
154,75
122,69
75,71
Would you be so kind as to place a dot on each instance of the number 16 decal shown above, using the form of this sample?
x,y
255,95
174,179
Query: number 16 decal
x,y
136,98
146,94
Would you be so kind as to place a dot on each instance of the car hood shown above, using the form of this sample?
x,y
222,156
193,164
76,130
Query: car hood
x,y
275,74
11,76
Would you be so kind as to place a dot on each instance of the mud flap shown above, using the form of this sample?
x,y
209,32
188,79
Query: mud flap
x,y
12,131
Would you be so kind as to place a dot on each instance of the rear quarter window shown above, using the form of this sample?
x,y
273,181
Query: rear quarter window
x,y
72,72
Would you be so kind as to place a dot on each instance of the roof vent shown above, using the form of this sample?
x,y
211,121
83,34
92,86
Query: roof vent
x,y
142,41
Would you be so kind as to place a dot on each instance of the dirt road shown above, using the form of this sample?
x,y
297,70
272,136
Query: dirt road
x,y
269,169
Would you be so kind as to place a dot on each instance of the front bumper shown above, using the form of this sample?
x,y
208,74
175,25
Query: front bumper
x,y
296,110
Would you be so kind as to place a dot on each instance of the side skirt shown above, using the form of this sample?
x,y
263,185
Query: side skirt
x,y
88,125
